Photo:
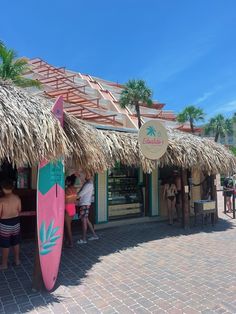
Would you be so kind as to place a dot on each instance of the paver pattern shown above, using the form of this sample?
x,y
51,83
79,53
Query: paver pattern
x,y
143,268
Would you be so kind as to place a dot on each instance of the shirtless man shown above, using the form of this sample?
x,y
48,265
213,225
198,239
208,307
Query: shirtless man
x,y
10,208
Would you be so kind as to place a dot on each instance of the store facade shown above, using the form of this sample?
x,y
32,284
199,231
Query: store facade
x,y
125,193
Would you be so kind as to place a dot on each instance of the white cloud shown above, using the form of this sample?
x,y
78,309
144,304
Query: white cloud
x,y
208,94
204,97
227,107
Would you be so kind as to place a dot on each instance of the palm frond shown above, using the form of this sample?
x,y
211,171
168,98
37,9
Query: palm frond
x,y
135,91
25,82
13,69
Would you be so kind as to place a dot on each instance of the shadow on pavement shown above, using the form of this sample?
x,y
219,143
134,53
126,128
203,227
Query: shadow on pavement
x,y
15,287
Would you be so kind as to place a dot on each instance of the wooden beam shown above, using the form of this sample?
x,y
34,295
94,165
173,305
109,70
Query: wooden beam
x,y
185,199
56,78
83,101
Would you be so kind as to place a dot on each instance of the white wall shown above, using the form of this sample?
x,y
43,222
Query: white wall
x,y
102,197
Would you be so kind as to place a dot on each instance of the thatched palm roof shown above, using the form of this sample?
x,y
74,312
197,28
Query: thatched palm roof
x,y
106,147
184,150
89,149
29,133
188,151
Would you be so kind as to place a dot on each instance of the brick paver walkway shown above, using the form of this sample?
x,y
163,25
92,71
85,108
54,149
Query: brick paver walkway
x,y
144,268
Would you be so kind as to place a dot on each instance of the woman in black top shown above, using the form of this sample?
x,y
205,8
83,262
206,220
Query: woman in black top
x,y
228,191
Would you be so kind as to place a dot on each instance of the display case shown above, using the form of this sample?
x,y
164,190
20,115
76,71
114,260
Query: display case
x,y
124,195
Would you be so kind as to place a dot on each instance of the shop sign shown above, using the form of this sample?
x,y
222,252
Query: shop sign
x,y
153,139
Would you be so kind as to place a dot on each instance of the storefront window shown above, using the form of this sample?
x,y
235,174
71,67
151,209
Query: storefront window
x,y
124,192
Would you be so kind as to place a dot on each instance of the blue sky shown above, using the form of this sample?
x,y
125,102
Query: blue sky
x,y
184,49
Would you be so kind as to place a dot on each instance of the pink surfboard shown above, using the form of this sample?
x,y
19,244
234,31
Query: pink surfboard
x,y
51,211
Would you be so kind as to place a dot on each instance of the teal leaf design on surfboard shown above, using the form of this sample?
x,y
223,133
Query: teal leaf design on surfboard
x,y
54,231
42,232
44,252
47,238
49,231
55,238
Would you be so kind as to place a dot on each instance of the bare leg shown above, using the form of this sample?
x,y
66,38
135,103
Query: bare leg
x,y
178,207
170,212
84,226
173,203
16,252
68,220
5,253
228,202
230,205
91,228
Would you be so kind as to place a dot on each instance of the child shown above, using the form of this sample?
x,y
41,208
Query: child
x,y
10,208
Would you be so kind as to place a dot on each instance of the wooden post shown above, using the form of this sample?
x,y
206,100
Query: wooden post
x,y
185,200
214,193
233,205
224,203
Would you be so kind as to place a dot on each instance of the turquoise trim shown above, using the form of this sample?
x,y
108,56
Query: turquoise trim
x,y
150,195
96,198
159,194
107,195
102,222
140,176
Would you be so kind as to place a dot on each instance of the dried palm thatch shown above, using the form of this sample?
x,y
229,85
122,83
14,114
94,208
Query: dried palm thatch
x,y
29,132
124,148
188,151
184,150
88,146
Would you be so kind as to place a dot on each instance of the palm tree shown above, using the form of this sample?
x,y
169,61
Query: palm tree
x,y
220,126
13,68
191,114
134,94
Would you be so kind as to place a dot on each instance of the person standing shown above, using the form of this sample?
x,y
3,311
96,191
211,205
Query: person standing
x,y
169,193
84,203
177,181
10,208
228,192
70,209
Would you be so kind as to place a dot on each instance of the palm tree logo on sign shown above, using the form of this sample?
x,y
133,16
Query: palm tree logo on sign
x,y
151,131
153,139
